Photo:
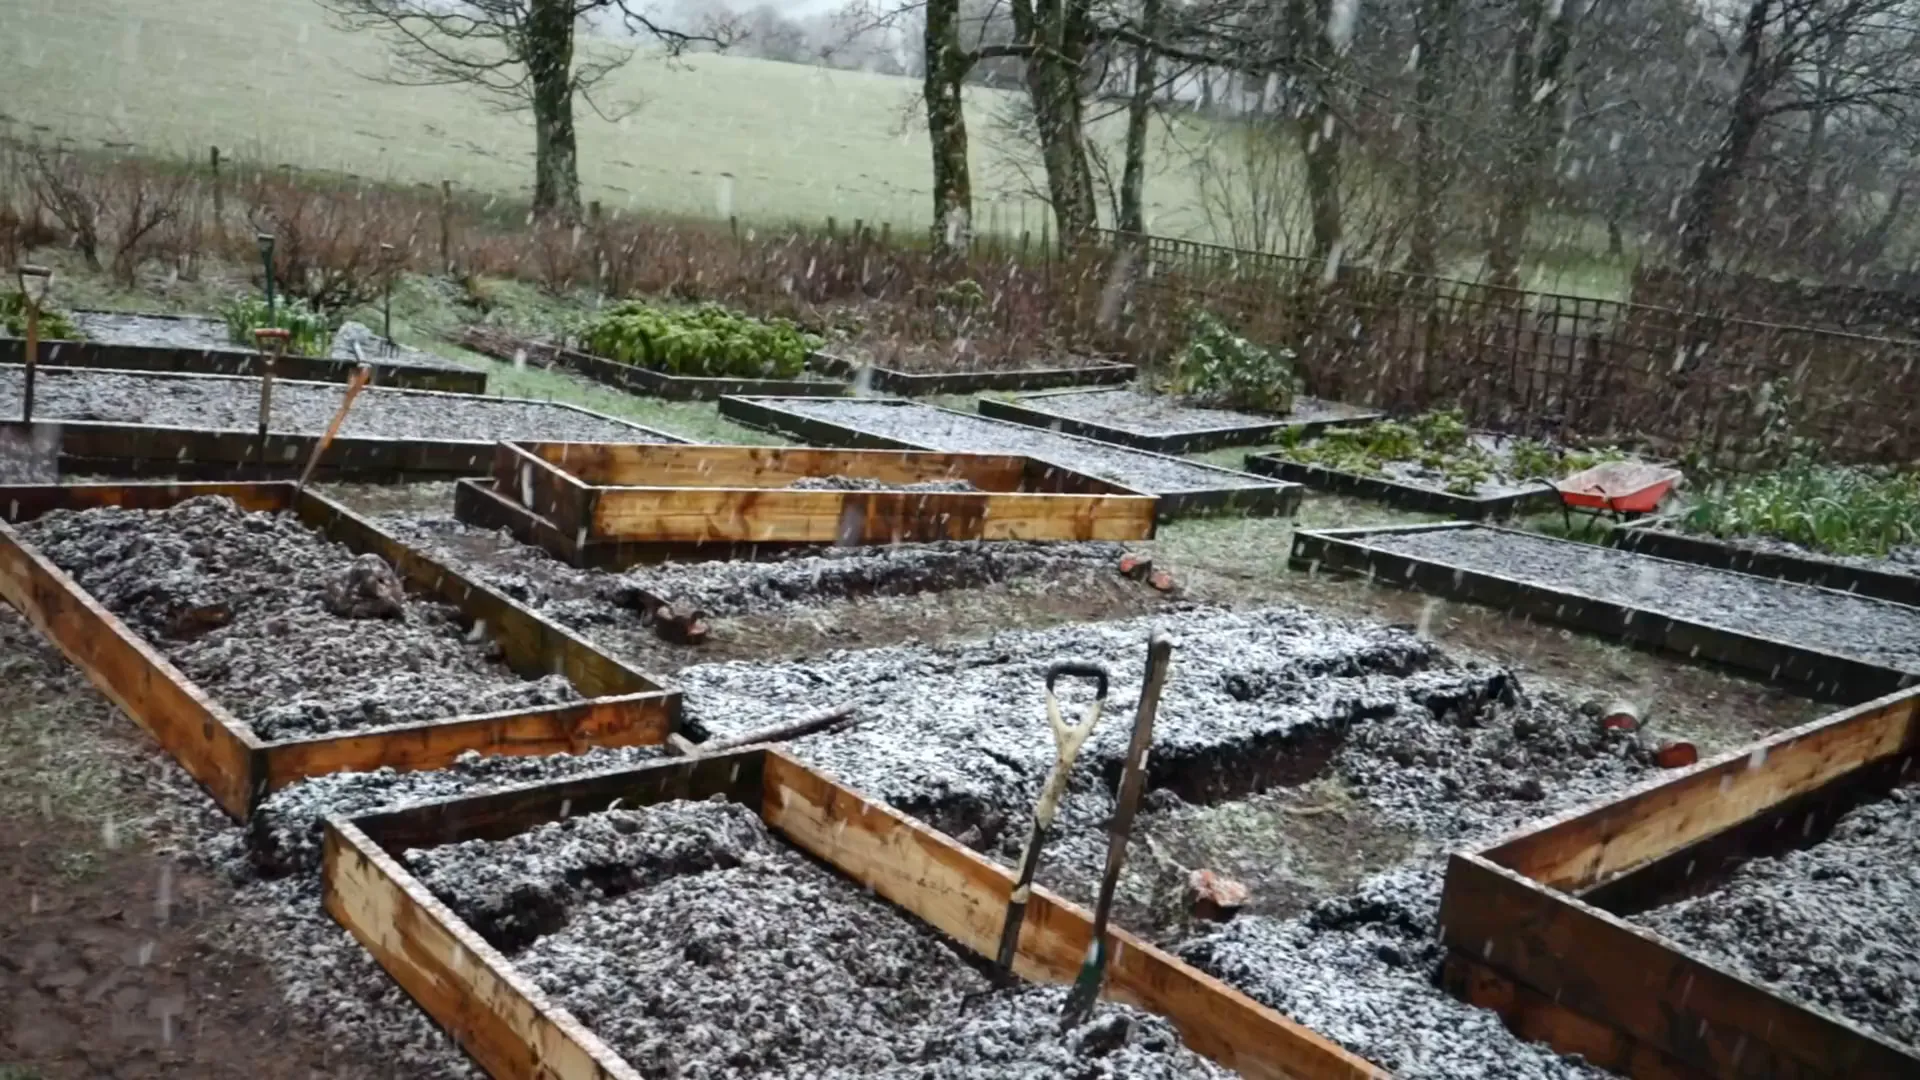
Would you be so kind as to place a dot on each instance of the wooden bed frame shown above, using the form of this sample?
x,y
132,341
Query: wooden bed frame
x,y
514,1031
622,706
615,504
1533,929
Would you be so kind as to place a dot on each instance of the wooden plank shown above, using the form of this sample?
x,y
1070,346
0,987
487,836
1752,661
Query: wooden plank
x,y
544,488
755,515
239,361
1032,411
1806,569
1602,968
964,895
1538,1018
497,1015
644,465
910,384
1595,843
214,748
1406,496
628,720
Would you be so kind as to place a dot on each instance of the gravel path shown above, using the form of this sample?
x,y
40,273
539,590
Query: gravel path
x,y
233,404
292,633
1872,630
935,429
1157,414
1832,925
700,946
199,332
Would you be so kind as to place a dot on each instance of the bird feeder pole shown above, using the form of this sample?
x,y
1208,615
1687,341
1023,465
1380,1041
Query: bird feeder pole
x,y
35,281
265,240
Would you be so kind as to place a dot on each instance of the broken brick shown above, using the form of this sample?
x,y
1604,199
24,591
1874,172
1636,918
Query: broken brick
x,y
1161,580
1214,898
1135,566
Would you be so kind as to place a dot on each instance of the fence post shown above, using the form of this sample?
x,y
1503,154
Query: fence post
x,y
446,226
219,198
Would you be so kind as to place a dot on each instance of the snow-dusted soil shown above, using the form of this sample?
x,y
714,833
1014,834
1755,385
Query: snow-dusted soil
x,y
1157,414
291,632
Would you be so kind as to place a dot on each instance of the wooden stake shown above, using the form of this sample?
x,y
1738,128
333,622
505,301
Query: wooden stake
x,y
792,729
361,377
264,338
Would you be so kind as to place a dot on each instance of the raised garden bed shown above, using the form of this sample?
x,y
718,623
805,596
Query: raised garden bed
x,y
1183,488
1829,645
132,424
1164,424
1882,578
611,505
1431,463
262,596
1702,926
911,383
513,1026
184,343
632,377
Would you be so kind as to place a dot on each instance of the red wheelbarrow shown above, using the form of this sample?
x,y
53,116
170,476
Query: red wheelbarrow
x,y
1621,490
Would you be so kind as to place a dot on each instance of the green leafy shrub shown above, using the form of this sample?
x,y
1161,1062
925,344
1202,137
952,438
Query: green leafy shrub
x,y
1843,511
708,340
1220,367
54,324
308,331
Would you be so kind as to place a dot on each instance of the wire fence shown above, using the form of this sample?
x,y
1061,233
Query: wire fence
x,y
1546,363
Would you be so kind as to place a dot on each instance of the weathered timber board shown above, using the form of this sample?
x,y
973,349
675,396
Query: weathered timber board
x,y
1033,411
1806,569
237,361
910,384
1276,499
624,707
680,498
1821,675
1404,495
514,1032
1533,929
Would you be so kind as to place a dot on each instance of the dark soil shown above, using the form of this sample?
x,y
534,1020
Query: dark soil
x,y
232,403
1156,414
699,946
798,602
1832,925
104,972
294,634
1876,631
934,429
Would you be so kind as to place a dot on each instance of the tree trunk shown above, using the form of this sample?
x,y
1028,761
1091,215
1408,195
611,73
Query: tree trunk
x,y
1546,36
947,66
1707,196
1319,128
1434,32
1133,178
1059,31
556,159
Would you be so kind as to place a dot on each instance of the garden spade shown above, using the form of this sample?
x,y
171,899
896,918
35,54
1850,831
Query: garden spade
x,y
1087,987
1067,740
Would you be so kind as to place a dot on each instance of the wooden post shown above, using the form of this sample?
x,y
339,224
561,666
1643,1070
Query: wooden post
x,y
271,341
219,197
33,359
886,234
832,228
446,226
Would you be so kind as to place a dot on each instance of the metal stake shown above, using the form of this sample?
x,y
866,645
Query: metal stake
x,y
265,240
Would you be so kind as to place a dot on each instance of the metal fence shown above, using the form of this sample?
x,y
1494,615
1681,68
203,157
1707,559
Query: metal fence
x,y
1546,363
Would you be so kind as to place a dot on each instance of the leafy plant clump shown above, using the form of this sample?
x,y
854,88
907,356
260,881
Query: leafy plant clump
x,y
1219,367
308,331
1440,446
708,340
1834,509
54,324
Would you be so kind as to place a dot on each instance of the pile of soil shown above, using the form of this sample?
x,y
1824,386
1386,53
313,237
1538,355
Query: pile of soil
x,y
1831,925
699,946
1876,631
935,429
865,483
1157,414
292,633
232,403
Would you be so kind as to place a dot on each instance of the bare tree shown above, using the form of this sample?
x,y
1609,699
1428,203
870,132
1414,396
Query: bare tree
x,y
519,54
1536,89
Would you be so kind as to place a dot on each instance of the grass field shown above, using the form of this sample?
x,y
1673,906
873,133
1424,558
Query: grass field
x,y
275,79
